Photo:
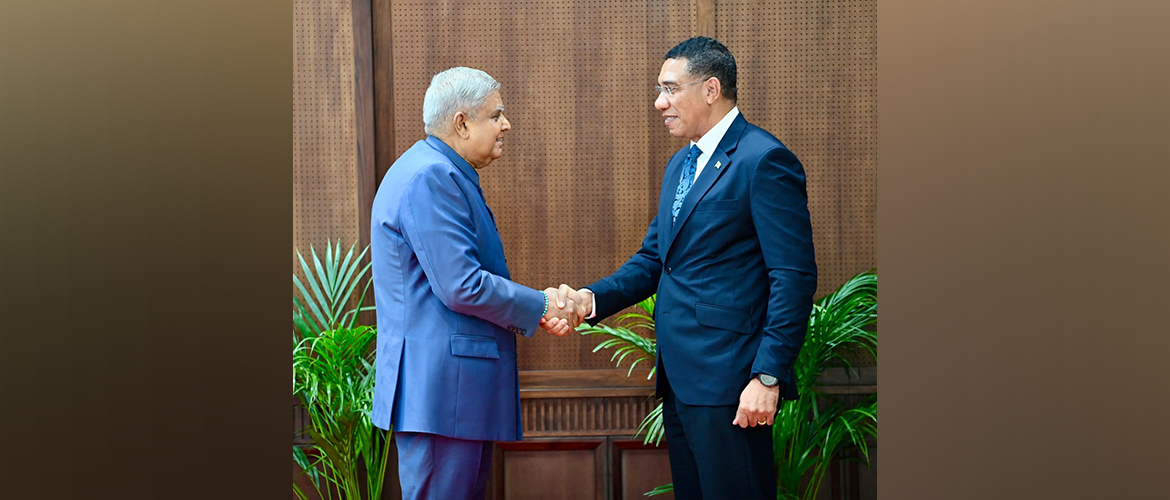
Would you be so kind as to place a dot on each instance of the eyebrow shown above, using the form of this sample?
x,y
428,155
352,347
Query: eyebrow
x,y
668,82
500,109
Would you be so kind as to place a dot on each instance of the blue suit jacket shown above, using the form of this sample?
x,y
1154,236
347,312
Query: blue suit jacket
x,y
448,315
735,274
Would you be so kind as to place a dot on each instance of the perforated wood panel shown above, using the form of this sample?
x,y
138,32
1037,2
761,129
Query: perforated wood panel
x,y
586,138
808,74
324,144
574,191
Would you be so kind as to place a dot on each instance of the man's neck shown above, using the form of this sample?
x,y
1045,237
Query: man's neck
x,y
716,112
453,141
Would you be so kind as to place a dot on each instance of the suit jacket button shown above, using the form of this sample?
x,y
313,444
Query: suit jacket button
x,y
668,269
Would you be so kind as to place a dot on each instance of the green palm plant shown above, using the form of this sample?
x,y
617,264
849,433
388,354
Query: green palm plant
x,y
811,431
321,324
333,375
331,283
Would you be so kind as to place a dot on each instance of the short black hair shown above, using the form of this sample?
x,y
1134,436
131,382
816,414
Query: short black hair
x,y
707,58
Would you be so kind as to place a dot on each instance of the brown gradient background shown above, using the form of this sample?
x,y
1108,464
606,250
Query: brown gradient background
x,y
145,190
1023,241
1023,244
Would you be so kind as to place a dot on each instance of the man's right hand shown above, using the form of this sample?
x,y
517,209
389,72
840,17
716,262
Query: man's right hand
x,y
563,315
583,297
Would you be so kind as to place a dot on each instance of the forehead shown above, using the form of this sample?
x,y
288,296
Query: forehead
x,y
673,71
492,102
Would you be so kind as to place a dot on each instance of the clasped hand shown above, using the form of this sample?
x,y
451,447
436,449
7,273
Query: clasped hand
x,y
567,308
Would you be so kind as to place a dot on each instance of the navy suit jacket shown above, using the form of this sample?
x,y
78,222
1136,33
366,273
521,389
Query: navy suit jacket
x,y
735,274
448,315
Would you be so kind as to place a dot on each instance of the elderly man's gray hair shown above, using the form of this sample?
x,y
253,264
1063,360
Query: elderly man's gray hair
x,y
454,90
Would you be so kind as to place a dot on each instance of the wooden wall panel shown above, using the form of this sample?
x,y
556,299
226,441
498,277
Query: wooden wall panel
x,y
639,468
598,416
576,80
542,470
808,74
325,203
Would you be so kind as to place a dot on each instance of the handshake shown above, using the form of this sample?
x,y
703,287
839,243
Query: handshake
x,y
567,308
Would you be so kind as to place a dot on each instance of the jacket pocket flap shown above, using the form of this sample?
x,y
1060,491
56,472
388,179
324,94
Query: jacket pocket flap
x,y
724,318
474,346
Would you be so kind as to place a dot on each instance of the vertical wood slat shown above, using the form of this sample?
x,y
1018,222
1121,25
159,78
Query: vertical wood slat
x,y
382,34
364,115
705,18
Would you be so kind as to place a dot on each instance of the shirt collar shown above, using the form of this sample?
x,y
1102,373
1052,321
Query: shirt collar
x,y
459,162
713,137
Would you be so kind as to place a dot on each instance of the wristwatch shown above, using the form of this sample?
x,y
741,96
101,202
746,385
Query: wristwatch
x,y
767,380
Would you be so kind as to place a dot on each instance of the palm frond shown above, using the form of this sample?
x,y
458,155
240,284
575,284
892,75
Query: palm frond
x,y
326,287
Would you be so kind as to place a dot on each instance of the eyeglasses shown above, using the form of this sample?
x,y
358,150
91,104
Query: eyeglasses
x,y
658,89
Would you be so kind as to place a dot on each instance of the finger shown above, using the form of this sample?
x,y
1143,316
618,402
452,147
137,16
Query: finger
x,y
741,419
562,294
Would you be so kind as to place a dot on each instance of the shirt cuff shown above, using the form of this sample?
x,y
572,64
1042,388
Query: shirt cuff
x,y
593,306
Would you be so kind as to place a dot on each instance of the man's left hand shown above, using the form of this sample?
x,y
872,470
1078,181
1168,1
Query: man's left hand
x,y
757,405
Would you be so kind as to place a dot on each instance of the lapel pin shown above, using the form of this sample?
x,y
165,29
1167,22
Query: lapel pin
x,y
718,164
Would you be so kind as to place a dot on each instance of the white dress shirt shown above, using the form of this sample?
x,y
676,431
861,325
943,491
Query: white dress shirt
x,y
711,140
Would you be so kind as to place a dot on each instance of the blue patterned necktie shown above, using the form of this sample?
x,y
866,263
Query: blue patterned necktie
x,y
685,182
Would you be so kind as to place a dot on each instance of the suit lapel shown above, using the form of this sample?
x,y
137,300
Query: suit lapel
x,y
711,175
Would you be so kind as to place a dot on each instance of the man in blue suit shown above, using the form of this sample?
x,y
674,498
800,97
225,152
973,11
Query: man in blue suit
x,y
730,256
448,315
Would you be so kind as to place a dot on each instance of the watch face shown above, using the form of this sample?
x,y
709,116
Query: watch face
x,y
767,380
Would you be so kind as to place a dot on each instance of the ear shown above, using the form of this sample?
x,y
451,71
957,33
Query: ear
x,y
460,123
712,90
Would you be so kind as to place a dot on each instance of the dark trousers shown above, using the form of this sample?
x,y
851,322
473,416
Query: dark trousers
x,y
711,459
434,467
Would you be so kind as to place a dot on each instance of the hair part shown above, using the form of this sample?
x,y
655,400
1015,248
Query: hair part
x,y
707,58
454,90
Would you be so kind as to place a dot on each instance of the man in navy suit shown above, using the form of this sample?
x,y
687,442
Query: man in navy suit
x,y
448,314
730,256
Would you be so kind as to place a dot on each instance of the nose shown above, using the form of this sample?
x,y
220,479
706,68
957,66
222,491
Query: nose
x,y
507,125
661,103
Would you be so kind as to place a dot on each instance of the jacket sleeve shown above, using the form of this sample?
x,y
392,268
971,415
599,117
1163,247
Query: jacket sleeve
x,y
440,230
636,280
779,208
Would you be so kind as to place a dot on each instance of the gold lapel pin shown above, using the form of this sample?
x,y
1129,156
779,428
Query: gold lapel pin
x,y
718,164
